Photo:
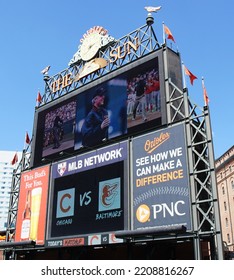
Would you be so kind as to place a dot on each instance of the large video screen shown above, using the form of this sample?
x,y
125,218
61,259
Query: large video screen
x,y
126,103
89,195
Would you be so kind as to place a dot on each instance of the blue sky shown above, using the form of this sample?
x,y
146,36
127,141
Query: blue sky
x,y
35,34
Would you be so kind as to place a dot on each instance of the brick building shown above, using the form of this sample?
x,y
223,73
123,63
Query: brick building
x,y
225,184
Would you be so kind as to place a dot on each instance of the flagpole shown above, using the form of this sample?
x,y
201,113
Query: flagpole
x,y
39,98
164,37
37,103
205,96
203,90
25,141
183,75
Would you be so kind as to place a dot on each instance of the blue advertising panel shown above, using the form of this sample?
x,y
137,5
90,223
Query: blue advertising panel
x,y
161,196
89,196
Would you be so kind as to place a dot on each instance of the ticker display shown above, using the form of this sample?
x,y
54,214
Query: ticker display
x,y
161,196
89,196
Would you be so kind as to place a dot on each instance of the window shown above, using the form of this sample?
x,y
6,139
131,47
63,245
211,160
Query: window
x,y
226,221
228,238
225,206
223,190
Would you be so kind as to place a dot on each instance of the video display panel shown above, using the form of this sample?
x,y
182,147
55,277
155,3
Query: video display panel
x,y
161,195
128,102
89,196
59,128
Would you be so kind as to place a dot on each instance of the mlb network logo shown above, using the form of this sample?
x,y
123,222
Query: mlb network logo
x,y
62,167
109,195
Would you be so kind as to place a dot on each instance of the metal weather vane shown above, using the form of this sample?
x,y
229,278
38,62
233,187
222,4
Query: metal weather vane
x,y
45,70
151,9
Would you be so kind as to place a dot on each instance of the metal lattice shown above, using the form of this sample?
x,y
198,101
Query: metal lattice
x,y
14,196
206,221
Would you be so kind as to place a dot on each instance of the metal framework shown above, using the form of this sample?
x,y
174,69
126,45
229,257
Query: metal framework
x,y
147,41
15,186
205,211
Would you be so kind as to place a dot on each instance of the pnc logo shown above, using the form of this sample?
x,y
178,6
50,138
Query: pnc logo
x,y
65,203
143,213
161,211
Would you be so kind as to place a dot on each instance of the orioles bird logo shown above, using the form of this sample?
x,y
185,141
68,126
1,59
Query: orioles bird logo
x,y
108,194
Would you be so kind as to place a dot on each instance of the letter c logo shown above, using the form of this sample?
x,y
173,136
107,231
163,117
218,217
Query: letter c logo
x,y
65,203
63,209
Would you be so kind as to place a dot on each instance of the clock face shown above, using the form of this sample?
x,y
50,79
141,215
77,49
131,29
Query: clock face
x,y
90,46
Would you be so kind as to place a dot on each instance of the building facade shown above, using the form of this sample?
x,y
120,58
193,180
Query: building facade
x,y
6,172
225,184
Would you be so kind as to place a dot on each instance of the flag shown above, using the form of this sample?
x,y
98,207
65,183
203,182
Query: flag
x,y
190,74
27,139
39,98
15,159
205,95
169,34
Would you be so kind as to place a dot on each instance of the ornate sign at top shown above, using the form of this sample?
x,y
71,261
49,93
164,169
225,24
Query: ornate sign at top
x,y
93,40
97,50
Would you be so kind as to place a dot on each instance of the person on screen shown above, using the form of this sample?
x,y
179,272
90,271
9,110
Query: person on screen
x,y
140,97
95,127
57,129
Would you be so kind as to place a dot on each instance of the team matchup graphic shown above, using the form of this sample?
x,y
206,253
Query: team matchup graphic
x,y
161,196
88,198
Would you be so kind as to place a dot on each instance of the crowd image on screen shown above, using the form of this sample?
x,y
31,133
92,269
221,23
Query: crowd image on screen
x,y
62,116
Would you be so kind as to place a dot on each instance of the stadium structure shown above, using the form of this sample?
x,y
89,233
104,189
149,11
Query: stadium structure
x,y
130,178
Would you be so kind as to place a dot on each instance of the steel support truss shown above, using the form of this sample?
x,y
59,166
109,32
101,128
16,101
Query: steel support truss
x,y
14,196
205,210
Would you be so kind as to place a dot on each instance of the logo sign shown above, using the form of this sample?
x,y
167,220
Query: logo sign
x,y
113,239
143,213
94,159
62,168
109,195
160,179
94,239
73,242
65,203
